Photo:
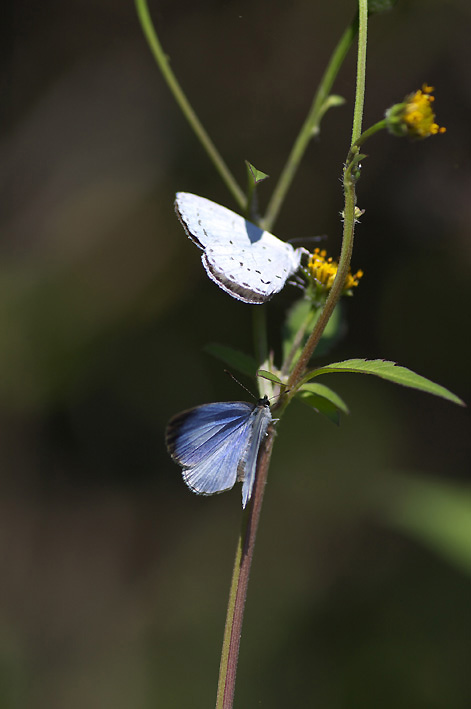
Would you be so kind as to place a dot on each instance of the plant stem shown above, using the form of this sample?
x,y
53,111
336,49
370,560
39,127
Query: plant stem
x,y
240,579
184,104
349,215
245,546
259,323
380,125
361,69
311,126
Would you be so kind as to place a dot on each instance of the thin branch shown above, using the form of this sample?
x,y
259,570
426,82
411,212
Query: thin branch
x,y
185,106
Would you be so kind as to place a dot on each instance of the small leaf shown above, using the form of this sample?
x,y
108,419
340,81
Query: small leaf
x,y
269,375
334,100
320,405
326,393
387,370
331,101
233,358
255,175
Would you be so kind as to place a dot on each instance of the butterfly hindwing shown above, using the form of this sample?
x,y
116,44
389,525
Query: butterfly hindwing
x,y
245,261
262,419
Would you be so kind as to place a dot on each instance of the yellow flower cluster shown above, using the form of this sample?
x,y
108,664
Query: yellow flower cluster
x,y
324,270
418,115
414,116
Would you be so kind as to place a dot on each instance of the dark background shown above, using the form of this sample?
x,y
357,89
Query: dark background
x,y
114,577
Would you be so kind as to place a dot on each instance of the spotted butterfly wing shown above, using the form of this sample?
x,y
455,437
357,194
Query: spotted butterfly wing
x,y
248,263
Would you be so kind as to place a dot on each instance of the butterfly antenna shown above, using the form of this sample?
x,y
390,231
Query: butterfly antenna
x,y
239,383
307,239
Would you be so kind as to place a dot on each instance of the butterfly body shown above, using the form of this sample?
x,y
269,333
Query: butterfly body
x,y
217,445
245,261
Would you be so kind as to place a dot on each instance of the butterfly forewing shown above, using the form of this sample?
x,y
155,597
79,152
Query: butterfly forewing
x,y
194,434
208,441
216,444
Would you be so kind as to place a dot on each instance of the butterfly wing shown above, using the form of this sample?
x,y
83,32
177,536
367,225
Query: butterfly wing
x,y
209,442
248,263
255,273
261,419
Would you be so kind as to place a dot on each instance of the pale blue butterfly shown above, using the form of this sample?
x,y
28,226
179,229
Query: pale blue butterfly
x,y
218,444
248,263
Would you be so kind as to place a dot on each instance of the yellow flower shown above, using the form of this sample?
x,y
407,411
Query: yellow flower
x,y
414,117
323,270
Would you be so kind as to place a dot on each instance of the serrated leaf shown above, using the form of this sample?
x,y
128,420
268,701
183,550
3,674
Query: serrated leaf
x,y
326,393
387,370
233,358
255,175
269,375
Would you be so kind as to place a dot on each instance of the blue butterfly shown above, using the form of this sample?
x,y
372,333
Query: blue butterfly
x,y
217,445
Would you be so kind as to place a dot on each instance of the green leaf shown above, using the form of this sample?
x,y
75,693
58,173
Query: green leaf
x,y
334,100
320,405
325,392
233,358
255,175
324,400
436,513
269,375
331,101
387,370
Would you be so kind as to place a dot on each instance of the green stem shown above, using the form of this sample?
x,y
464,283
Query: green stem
x,y
245,546
260,333
349,216
311,126
361,69
182,101
334,295
259,323
380,125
